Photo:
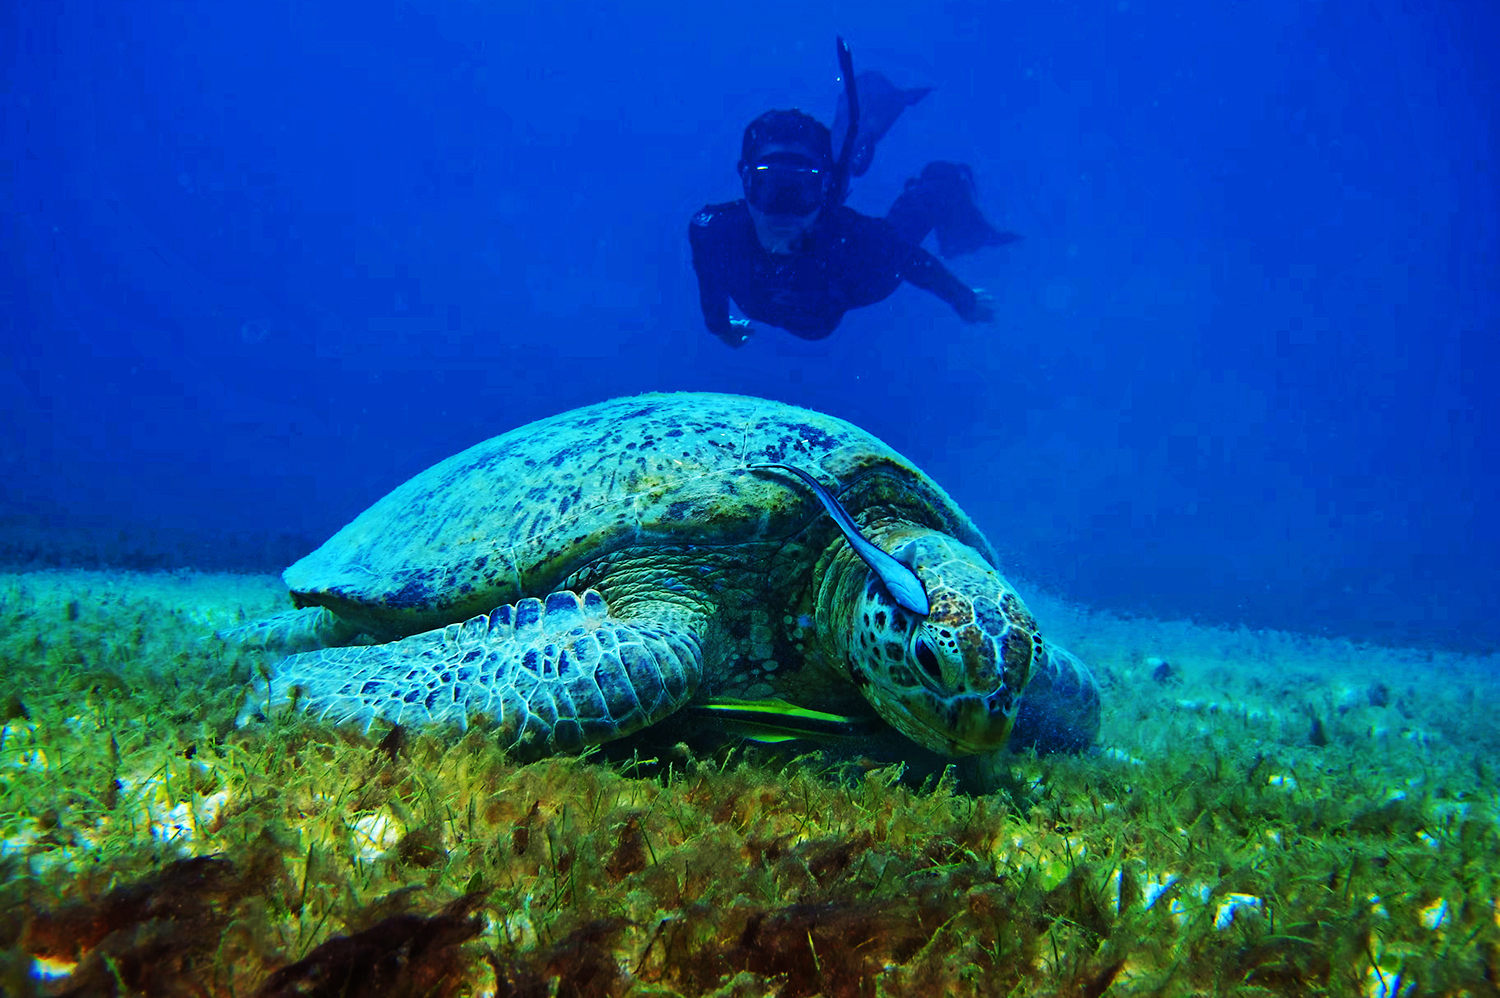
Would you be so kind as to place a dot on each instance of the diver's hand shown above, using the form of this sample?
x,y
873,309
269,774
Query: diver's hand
x,y
739,331
984,307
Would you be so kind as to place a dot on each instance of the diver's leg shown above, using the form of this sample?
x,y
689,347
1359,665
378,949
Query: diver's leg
x,y
942,199
915,211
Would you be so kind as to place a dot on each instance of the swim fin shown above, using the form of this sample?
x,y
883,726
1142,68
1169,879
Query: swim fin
x,y
948,191
880,103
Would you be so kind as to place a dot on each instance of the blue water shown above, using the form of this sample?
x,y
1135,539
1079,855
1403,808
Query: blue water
x,y
263,262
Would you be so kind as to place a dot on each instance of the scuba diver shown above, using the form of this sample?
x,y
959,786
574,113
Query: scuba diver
x,y
792,255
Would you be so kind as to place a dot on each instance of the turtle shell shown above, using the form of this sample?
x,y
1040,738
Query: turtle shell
x,y
521,514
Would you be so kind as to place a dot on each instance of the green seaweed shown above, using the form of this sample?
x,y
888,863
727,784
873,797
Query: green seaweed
x,y
154,847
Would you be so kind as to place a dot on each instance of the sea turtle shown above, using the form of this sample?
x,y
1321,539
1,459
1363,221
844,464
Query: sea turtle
x,y
586,575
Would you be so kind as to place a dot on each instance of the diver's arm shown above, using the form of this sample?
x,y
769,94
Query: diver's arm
x,y
712,298
928,273
714,302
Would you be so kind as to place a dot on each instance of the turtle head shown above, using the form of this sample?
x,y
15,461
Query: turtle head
x,y
951,681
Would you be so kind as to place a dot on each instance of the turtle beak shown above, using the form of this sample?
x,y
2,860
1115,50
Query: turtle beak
x,y
966,724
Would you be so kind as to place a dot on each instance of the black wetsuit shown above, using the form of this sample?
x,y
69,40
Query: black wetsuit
x,y
848,260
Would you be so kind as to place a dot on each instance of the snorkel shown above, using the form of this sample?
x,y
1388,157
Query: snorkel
x,y
839,189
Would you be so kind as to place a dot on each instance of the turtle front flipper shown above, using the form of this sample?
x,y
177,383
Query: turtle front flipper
x,y
293,631
551,675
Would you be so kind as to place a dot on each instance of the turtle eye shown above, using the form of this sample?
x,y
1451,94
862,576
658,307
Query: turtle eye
x,y
926,658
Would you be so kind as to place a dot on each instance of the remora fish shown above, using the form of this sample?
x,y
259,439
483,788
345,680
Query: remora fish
x,y
900,581
774,720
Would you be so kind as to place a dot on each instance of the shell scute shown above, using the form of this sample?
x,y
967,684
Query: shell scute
x,y
518,514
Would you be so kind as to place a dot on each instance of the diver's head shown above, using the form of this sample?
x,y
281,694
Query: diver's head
x,y
786,166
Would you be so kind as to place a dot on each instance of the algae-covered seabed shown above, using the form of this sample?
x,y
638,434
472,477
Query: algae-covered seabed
x,y
1266,814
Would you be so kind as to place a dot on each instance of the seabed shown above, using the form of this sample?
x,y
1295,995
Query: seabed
x,y
1266,814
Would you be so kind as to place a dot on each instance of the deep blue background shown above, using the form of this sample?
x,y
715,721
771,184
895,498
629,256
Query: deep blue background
x,y
264,261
